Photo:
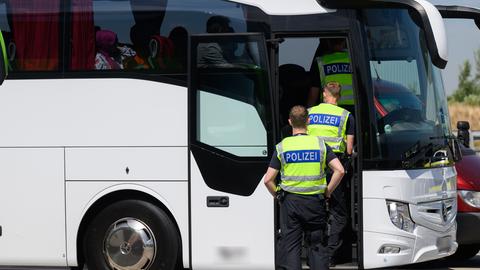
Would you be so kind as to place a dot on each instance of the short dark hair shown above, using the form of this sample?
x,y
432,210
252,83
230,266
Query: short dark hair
x,y
334,88
218,24
298,116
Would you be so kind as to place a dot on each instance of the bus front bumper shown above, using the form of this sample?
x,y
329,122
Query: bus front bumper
x,y
423,245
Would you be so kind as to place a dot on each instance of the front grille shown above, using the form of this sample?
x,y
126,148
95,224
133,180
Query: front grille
x,y
436,214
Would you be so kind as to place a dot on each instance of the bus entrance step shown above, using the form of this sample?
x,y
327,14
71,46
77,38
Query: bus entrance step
x,y
339,266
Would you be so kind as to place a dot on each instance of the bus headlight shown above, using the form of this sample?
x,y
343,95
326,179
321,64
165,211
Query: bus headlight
x,y
400,215
472,198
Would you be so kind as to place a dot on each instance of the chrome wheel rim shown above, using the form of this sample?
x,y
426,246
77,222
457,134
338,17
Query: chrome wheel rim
x,y
129,244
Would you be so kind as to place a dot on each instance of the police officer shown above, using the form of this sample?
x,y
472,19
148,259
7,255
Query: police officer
x,y
302,161
336,126
333,65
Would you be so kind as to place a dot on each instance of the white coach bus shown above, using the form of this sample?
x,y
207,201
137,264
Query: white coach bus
x,y
134,134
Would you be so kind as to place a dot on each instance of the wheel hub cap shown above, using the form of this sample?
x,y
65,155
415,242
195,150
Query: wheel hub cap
x,y
129,244
125,248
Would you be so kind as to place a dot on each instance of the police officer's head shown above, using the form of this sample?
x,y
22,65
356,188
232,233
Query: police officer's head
x,y
336,44
331,92
219,24
298,117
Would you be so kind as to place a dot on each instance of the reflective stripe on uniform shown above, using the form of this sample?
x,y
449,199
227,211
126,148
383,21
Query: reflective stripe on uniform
x,y
337,142
302,178
303,189
280,152
347,88
345,98
332,139
342,122
323,151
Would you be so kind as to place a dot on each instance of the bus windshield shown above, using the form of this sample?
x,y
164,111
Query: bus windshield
x,y
411,111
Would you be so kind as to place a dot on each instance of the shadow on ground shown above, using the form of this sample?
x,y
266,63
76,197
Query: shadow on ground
x,y
446,264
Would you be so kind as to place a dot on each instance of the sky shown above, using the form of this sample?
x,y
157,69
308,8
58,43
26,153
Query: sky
x,y
463,39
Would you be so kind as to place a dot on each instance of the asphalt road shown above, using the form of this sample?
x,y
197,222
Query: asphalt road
x,y
473,263
444,264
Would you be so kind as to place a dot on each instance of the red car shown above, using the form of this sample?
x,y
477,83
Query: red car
x,y
468,217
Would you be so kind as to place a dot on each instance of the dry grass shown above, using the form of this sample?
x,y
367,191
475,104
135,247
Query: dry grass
x,y
463,112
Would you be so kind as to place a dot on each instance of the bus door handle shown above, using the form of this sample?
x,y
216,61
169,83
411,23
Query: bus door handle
x,y
218,201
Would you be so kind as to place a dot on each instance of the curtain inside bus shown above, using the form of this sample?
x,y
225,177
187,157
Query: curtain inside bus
x,y
83,35
36,23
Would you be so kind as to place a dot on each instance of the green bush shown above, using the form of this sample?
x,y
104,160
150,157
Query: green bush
x,y
468,90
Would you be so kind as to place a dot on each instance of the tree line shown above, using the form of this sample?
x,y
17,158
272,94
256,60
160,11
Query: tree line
x,y
468,90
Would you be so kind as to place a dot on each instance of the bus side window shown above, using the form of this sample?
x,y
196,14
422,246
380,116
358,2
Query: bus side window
x,y
150,36
231,101
32,34
114,35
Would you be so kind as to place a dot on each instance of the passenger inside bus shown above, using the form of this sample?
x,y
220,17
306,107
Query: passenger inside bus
x,y
179,38
214,54
140,37
110,54
294,87
153,33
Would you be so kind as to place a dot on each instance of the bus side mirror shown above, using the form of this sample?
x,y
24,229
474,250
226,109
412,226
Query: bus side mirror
x,y
463,133
3,60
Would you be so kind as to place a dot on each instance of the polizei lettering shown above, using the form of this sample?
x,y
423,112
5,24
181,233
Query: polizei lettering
x,y
337,68
324,119
301,156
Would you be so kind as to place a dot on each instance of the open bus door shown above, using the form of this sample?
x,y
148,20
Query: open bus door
x,y
231,139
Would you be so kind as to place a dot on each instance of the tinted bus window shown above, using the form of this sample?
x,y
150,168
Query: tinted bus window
x,y
32,34
143,35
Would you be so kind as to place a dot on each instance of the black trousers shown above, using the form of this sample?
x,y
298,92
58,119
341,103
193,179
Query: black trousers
x,y
302,216
338,215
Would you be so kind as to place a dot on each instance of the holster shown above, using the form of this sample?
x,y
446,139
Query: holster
x,y
346,162
280,195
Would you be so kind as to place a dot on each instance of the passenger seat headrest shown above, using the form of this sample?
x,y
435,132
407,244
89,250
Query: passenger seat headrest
x,y
160,46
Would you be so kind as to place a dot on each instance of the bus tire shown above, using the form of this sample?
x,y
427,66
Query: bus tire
x,y
131,234
465,252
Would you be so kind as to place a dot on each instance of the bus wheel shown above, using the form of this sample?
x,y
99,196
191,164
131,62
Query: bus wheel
x,y
465,252
131,234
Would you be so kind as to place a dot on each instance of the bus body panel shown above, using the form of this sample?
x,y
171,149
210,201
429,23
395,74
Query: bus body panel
x,y
32,212
285,7
413,186
92,112
99,127
240,236
421,189
82,195
126,164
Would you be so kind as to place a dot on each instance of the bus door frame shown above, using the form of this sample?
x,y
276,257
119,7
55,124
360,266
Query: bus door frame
x,y
355,194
